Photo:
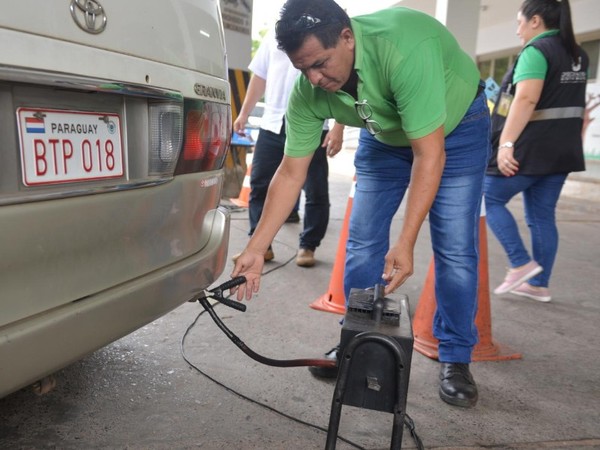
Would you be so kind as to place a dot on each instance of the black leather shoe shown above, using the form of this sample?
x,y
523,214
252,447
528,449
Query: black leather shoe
x,y
328,372
457,386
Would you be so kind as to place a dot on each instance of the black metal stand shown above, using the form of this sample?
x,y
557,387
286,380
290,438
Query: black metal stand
x,y
402,368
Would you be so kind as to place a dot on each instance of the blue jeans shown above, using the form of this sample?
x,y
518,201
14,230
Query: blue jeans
x,y
268,154
382,176
540,195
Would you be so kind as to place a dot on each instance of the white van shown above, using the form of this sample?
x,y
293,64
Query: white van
x,y
114,124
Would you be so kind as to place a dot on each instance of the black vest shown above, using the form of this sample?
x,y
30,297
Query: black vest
x,y
551,142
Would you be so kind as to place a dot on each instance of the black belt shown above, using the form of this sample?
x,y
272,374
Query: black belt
x,y
480,88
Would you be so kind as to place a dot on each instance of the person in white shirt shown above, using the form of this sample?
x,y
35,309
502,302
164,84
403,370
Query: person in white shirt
x,y
273,76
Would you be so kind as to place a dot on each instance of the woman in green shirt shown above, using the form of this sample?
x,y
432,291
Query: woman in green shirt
x,y
537,125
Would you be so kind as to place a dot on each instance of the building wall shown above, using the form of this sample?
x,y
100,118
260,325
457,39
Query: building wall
x,y
497,26
237,21
500,38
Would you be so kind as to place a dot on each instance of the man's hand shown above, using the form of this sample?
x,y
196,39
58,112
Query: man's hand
x,y
398,267
334,139
239,126
249,264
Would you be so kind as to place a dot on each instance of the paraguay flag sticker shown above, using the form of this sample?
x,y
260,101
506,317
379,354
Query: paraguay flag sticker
x,y
34,125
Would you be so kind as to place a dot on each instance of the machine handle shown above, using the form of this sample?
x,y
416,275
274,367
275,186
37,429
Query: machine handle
x,y
230,283
217,293
232,304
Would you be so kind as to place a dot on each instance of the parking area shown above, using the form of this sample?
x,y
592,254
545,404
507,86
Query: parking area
x,y
140,393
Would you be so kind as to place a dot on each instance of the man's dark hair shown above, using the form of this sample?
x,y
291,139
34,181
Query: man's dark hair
x,y
324,19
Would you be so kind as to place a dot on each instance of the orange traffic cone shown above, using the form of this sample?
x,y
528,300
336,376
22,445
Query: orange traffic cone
x,y
486,349
243,200
334,300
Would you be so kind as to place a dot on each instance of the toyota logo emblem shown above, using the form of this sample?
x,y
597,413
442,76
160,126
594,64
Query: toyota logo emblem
x,y
88,15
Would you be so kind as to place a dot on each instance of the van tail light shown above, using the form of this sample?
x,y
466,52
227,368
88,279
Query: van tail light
x,y
166,135
207,131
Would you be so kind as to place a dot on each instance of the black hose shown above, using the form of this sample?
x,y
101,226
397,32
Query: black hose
x,y
255,356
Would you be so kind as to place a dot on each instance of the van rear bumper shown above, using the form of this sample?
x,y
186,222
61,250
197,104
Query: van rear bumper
x,y
40,345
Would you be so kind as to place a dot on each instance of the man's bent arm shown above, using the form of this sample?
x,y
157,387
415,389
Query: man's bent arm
x,y
281,197
426,174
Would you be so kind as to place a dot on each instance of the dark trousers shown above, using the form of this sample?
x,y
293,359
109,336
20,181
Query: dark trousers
x,y
268,154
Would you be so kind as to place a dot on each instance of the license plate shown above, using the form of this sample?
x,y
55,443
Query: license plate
x,y
69,146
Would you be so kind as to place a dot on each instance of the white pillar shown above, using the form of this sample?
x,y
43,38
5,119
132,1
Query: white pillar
x,y
461,17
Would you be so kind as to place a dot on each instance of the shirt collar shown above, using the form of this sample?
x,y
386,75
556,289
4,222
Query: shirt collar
x,y
543,35
358,44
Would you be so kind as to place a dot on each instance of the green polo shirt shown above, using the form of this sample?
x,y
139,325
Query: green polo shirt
x,y
531,63
412,73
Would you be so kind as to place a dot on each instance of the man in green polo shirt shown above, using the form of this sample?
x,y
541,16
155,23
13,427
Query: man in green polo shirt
x,y
401,76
